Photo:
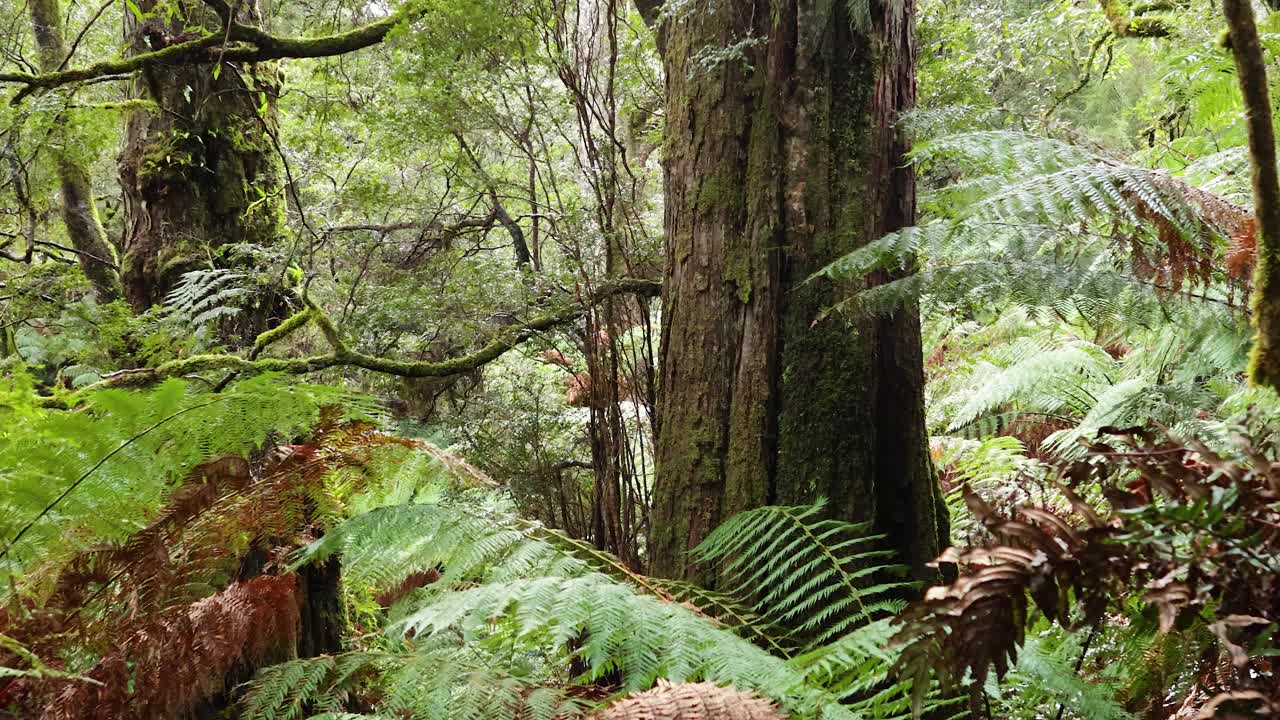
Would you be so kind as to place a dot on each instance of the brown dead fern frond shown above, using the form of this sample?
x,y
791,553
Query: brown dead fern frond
x,y
1189,531
166,668
692,701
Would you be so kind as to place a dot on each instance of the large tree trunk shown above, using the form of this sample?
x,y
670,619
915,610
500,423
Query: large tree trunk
x,y
781,156
203,172
96,256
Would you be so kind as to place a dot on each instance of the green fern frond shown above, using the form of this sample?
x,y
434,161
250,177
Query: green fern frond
x,y
383,547
639,637
1044,224
510,589
1045,676
438,680
945,120
799,570
978,462
1122,404
1002,151
203,296
72,480
1046,373
1224,173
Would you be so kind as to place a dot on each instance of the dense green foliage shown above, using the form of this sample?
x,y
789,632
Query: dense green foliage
x,y
397,459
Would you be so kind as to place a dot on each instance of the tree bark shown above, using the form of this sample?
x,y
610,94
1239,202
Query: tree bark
x,y
202,173
1251,71
95,254
322,620
781,156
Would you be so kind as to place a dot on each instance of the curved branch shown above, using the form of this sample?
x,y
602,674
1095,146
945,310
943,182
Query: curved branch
x,y
651,12
518,243
1088,73
341,356
271,47
260,46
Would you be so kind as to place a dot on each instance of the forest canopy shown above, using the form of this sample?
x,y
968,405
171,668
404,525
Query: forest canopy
x,y
614,359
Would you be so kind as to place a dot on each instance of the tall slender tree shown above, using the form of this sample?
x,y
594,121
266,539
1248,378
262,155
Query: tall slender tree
x,y
96,256
1251,72
782,154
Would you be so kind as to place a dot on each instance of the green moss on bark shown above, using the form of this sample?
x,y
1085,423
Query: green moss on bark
x,y
758,403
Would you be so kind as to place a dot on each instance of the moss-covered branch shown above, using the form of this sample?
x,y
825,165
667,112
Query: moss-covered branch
x,y
1138,21
1251,71
247,45
341,356
271,47
280,332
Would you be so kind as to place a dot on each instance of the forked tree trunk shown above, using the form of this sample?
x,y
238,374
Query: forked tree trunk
x,y
781,156
95,254
202,173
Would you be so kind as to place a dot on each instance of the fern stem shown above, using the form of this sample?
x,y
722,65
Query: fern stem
x,y
1093,632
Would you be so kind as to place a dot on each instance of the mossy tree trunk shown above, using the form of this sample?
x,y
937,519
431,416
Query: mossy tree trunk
x,y
95,254
1251,71
203,172
782,155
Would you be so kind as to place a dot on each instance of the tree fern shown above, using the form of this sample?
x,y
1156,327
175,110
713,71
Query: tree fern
x,y
1224,173
1045,676
1051,373
992,468
607,626
509,591
436,681
977,462
383,547
1001,151
1053,387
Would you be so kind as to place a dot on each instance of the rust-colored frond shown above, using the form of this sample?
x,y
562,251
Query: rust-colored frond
x,y
207,483
1187,254
1163,537
165,669
979,621
415,581
1243,251
231,520
1033,429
